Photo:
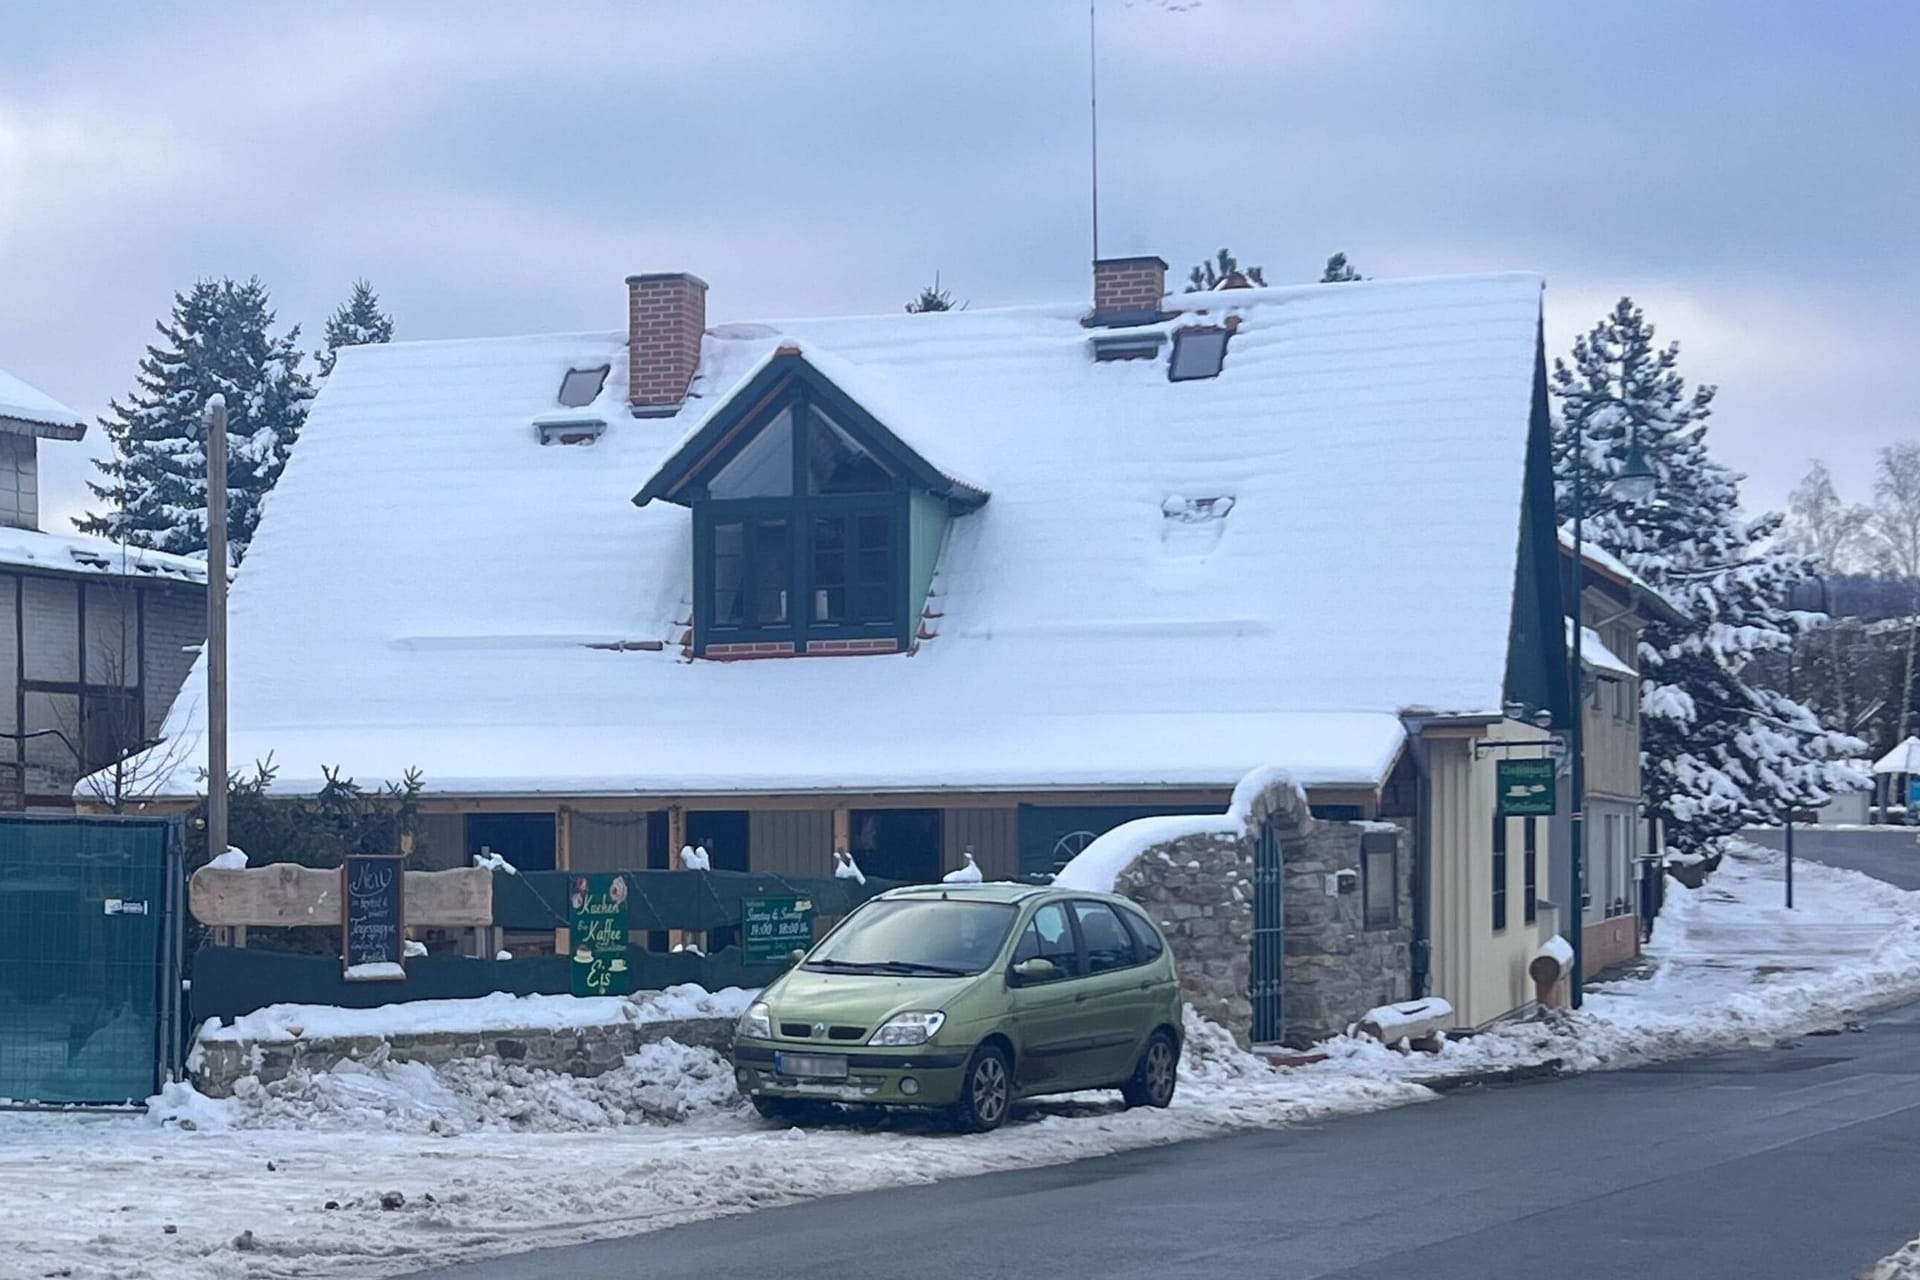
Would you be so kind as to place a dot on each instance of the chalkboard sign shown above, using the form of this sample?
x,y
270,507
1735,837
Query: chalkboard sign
x,y
597,926
373,918
774,928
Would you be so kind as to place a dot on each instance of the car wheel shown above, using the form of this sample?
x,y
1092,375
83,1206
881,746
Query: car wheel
x,y
986,1091
784,1110
1156,1073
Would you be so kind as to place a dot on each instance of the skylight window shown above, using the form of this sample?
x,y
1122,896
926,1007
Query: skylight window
x,y
1197,353
581,387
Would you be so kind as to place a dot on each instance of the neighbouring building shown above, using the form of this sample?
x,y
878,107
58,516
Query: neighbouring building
x,y
994,580
1621,840
95,637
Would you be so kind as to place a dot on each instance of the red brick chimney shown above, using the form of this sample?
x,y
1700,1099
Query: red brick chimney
x,y
666,316
1127,290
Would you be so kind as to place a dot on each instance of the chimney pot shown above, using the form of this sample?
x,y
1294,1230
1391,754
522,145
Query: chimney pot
x,y
666,319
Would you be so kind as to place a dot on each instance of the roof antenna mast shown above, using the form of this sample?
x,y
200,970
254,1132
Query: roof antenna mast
x,y
1093,120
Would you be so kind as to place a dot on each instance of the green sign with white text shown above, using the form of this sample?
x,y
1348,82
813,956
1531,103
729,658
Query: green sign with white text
x,y
597,929
1526,788
772,929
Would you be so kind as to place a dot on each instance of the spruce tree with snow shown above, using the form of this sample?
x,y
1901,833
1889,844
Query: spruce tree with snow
x,y
1223,271
1339,271
358,322
218,339
934,298
1718,752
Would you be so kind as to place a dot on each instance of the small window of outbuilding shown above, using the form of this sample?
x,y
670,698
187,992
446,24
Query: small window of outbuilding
x,y
1197,353
581,387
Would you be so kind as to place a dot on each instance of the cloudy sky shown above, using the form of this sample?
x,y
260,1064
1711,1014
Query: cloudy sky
x,y
1745,168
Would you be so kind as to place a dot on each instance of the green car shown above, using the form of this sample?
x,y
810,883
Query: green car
x,y
966,997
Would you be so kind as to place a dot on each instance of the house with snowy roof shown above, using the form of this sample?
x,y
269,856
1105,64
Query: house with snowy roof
x,y
910,585
95,637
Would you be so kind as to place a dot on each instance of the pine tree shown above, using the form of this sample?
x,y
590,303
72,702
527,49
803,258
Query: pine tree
x,y
358,322
934,298
218,339
1339,271
1223,272
1718,753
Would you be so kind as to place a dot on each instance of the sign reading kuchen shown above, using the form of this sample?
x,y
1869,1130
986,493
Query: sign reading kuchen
x,y
1526,788
597,925
774,928
373,918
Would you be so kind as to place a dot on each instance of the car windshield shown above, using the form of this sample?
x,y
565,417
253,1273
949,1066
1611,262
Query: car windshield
x,y
936,937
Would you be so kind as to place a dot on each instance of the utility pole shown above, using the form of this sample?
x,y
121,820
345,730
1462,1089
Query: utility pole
x,y
216,423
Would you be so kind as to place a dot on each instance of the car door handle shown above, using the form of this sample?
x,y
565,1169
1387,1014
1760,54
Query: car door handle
x,y
1081,998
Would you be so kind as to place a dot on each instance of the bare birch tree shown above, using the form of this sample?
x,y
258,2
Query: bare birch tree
x,y
1895,528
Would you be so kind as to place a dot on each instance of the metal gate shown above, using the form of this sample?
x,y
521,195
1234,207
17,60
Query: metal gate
x,y
90,952
1269,930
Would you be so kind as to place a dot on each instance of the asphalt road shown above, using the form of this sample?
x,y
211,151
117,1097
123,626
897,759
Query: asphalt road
x,y
1797,1163
1891,853
1800,1163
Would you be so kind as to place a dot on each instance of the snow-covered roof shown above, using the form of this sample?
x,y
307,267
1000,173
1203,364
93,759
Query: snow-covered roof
x,y
30,411
431,588
1598,557
1904,758
74,553
1596,656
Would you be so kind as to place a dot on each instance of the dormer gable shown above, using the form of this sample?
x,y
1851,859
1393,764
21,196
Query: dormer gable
x,y
816,525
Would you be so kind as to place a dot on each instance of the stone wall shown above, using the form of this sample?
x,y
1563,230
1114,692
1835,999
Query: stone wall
x,y
1337,968
1199,886
582,1051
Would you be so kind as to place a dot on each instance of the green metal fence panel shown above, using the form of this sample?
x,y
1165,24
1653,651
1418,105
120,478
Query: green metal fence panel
x,y
88,958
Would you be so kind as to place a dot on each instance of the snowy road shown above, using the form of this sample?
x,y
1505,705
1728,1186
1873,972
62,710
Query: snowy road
x,y
1781,1164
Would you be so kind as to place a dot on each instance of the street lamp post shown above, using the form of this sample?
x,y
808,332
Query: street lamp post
x,y
1793,695
1635,483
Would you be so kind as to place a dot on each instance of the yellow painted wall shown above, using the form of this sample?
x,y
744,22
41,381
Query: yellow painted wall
x,y
1483,973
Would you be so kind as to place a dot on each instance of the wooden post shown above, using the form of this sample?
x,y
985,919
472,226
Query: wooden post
x,y
676,840
842,829
562,860
216,450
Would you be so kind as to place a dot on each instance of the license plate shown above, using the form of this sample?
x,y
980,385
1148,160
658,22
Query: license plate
x,y
811,1066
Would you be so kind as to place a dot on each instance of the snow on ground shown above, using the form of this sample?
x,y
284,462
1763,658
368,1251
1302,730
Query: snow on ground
x,y
492,1158
1902,1264
496,1012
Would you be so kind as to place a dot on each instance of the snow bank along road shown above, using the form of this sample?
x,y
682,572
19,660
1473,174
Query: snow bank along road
x,y
288,1179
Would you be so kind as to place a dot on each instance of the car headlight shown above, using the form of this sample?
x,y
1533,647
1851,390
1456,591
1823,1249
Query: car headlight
x,y
909,1028
756,1022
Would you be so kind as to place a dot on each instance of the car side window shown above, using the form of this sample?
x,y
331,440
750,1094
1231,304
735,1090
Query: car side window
x,y
1146,939
1048,936
1109,945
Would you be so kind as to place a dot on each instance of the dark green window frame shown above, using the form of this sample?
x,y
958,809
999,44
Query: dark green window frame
x,y
842,559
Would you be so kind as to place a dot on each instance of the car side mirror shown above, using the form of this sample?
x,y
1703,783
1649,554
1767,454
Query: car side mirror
x,y
795,956
1029,972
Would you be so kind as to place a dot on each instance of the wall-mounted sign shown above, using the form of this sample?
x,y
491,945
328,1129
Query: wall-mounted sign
x,y
373,921
772,929
597,926
1525,788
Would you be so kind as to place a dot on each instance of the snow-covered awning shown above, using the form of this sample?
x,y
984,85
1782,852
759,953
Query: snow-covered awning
x,y
74,553
1595,655
1904,758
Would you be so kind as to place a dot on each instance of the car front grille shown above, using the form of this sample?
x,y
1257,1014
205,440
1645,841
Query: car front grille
x,y
804,1031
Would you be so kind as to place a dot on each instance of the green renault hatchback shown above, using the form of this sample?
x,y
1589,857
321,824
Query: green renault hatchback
x,y
966,997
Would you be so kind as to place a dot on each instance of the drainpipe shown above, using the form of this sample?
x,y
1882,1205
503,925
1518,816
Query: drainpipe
x,y
1421,952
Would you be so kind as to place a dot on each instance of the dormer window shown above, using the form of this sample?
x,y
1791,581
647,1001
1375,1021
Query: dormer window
x,y
814,526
